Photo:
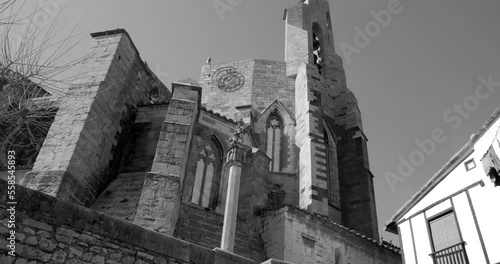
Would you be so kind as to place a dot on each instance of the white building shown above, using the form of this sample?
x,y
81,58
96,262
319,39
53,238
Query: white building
x,y
455,216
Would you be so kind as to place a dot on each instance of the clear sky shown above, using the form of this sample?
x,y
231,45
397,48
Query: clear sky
x,y
426,59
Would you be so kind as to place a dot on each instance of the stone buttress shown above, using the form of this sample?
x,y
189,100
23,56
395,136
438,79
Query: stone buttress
x,y
85,143
161,193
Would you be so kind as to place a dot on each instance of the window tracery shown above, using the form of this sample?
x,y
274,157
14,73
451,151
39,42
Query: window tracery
x,y
207,174
274,136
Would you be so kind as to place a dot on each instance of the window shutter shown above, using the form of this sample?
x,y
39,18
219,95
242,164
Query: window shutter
x,y
444,231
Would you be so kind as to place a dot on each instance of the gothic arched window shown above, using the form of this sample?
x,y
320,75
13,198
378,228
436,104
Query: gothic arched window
x,y
273,145
207,176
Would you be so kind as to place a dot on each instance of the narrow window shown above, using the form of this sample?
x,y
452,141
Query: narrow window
x,y
317,42
328,20
274,135
207,174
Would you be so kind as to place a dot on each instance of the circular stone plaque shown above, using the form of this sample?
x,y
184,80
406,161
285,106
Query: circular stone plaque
x,y
228,79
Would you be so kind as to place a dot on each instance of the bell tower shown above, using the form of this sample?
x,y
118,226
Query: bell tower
x,y
309,38
334,175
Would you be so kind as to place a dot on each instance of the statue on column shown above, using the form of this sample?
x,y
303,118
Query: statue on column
x,y
238,131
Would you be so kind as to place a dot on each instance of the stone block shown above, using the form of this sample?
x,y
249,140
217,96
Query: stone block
x,y
158,203
47,244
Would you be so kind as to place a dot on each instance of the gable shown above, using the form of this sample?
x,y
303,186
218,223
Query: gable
x,y
452,174
458,178
276,105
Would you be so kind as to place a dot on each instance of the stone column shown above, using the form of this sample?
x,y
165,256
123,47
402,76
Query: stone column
x,y
233,192
236,158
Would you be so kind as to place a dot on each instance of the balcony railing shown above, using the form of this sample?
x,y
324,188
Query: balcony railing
x,y
451,255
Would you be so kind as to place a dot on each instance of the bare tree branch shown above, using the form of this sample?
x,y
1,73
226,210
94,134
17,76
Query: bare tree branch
x,y
35,71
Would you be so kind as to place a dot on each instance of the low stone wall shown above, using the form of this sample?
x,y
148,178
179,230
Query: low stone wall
x,y
49,230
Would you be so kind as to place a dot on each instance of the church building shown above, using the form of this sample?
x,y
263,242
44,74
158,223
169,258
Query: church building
x,y
259,162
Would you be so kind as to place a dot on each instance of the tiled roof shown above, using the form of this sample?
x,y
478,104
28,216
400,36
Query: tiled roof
x,y
218,115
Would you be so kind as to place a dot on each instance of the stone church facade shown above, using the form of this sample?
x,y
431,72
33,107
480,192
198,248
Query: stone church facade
x,y
132,169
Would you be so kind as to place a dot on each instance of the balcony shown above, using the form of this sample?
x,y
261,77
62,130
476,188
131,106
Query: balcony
x,y
451,255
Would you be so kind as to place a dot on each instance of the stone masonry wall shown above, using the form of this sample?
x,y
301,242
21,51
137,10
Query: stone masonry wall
x,y
144,135
161,193
83,149
49,230
300,19
297,236
270,83
297,41
289,183
356,184
273,234
354,181
222,102
204,228
313,181
265,81
121,198
255,186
